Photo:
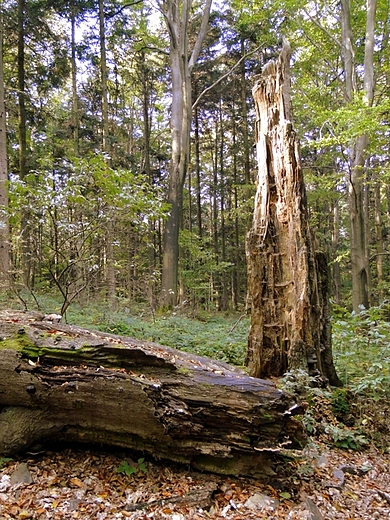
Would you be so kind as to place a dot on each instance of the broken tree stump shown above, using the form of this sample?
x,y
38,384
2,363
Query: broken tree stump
x,y
63,383
288,291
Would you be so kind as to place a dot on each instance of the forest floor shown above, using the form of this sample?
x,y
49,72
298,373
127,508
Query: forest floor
x,y
74,483
321,482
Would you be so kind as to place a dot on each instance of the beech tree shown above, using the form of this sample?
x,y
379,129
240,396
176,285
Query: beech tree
x,y
4,223
358,150
177,17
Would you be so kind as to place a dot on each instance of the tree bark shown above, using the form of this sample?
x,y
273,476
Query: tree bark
x,y
336,273
198,186
63,383
379,239
177,16
357,152
244,115
106,148
75,102
25,232
290,326
5,267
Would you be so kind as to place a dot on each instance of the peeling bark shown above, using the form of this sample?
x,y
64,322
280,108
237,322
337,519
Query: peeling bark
x,y
290,327
63,383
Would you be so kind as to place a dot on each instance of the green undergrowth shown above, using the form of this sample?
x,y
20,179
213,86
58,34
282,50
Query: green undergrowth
x,y
361,347
217,337
355,415
221,336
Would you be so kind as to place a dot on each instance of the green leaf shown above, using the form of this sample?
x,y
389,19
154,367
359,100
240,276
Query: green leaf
x,y
125,467
4,460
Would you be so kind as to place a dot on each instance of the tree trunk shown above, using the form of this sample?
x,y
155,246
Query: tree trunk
x,y
198,186
357,152
106,148
75,103
26,253
379,239
244,115
290,328
5,267
236,280
224,276
103,73
177,20
180,128
64,383
336,273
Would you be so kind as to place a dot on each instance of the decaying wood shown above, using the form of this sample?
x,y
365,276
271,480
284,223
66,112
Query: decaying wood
x,y
64,383
288,296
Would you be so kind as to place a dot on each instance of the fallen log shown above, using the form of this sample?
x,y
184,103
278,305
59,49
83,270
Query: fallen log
x,y
63,383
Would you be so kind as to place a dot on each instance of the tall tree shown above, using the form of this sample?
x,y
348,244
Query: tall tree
x,y
75,101
177,17
357,150
4,223
109,242
26,253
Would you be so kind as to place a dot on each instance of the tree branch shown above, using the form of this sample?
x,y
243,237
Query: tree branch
x,y
201,35
317,23
118,11
224,76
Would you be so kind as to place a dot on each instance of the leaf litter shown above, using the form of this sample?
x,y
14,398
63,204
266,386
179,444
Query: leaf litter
x,y
319,483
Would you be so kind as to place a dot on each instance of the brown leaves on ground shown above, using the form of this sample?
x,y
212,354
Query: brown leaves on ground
x,y
82,484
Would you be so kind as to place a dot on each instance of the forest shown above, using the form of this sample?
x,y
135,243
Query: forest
x,y
94,208
130,172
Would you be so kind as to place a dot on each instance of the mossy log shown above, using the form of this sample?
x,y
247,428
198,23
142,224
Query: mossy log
x,y
67,384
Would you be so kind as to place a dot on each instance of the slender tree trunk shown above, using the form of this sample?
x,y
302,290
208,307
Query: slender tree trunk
x,y
149,176
379,239
244,115
177,18
109,247
224,277
367,231
103,73
336,274
215,216
26,253
236,268
75,107
5,267
197,173
290,325
357,152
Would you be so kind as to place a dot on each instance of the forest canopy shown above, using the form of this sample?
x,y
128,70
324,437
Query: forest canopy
x,y
92,205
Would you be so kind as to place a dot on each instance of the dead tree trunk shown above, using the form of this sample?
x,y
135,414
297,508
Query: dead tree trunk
x,y
63,383
290,326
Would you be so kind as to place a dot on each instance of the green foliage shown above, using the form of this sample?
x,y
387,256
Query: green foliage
x,y
325,408
297,381
129,470
4,461
361,349
217,337
339,401
346,438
